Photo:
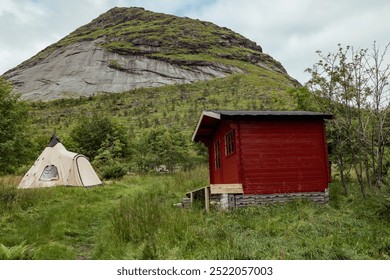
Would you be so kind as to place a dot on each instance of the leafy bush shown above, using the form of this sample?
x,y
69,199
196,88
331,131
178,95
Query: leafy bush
x,y
93,135
14,145
161,146
383,204
114,170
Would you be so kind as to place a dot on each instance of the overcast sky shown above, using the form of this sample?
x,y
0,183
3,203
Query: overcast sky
x,y
291,31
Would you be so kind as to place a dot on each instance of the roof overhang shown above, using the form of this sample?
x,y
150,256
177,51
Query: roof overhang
x,y
206,125
209,120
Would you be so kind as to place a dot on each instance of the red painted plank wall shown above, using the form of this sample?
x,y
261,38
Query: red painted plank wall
x,y
283,156
228,172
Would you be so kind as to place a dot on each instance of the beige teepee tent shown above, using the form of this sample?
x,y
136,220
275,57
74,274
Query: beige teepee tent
x,y
57,166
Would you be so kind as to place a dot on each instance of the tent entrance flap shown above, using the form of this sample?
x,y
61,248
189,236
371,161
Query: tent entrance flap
x,y
50,173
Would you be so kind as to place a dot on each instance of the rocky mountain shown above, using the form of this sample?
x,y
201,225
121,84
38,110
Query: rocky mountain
x,y
129,48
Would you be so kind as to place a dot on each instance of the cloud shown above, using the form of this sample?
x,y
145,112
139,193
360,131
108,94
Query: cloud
x,y
33,25
176,7
29,26
291,31
22,14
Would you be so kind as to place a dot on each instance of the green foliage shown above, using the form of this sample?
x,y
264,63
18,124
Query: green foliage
x,y
110,159
125,30
353,85
162,146
14,142
55,251
113,170
382,204
115,65
18,252
305,100
100,135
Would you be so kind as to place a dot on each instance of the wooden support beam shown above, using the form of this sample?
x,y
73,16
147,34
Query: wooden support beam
x,y
226,188
207,198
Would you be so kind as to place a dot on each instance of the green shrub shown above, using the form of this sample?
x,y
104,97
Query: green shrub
x,y
382,206
114,170
161,146
14,124
95,134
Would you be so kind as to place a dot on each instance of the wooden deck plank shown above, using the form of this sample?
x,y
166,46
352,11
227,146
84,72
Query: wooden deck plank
x,y
226,188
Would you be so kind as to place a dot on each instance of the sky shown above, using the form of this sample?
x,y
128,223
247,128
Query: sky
x,y
291,31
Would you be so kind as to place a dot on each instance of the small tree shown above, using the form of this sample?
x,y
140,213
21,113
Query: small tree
x,y
100,135
14,143
161,146
354,86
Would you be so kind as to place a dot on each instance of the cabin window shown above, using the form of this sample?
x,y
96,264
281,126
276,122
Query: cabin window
x,y
230,144
50,173
217,154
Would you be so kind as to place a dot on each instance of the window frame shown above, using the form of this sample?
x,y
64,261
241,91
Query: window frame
x,y
217,154
230,143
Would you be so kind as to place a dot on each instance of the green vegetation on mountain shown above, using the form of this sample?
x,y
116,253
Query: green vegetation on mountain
x,y
175,39
176,107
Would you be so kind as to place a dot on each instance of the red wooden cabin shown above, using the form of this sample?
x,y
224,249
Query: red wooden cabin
x,y
258,153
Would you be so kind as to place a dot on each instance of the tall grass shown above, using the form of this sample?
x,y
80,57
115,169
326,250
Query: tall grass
x,y
148,226
18,252
134,218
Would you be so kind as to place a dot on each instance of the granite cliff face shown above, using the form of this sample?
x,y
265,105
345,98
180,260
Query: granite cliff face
x,y
85,68
129,48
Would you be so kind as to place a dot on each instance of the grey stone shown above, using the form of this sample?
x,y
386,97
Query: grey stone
x,y
85,68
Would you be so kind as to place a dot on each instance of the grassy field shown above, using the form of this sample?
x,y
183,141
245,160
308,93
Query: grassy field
x,y
134,218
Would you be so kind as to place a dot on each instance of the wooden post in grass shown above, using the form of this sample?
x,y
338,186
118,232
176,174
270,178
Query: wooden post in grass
x,y
207,198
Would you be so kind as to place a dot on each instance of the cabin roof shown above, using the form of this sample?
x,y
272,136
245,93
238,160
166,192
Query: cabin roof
x,y
209,120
